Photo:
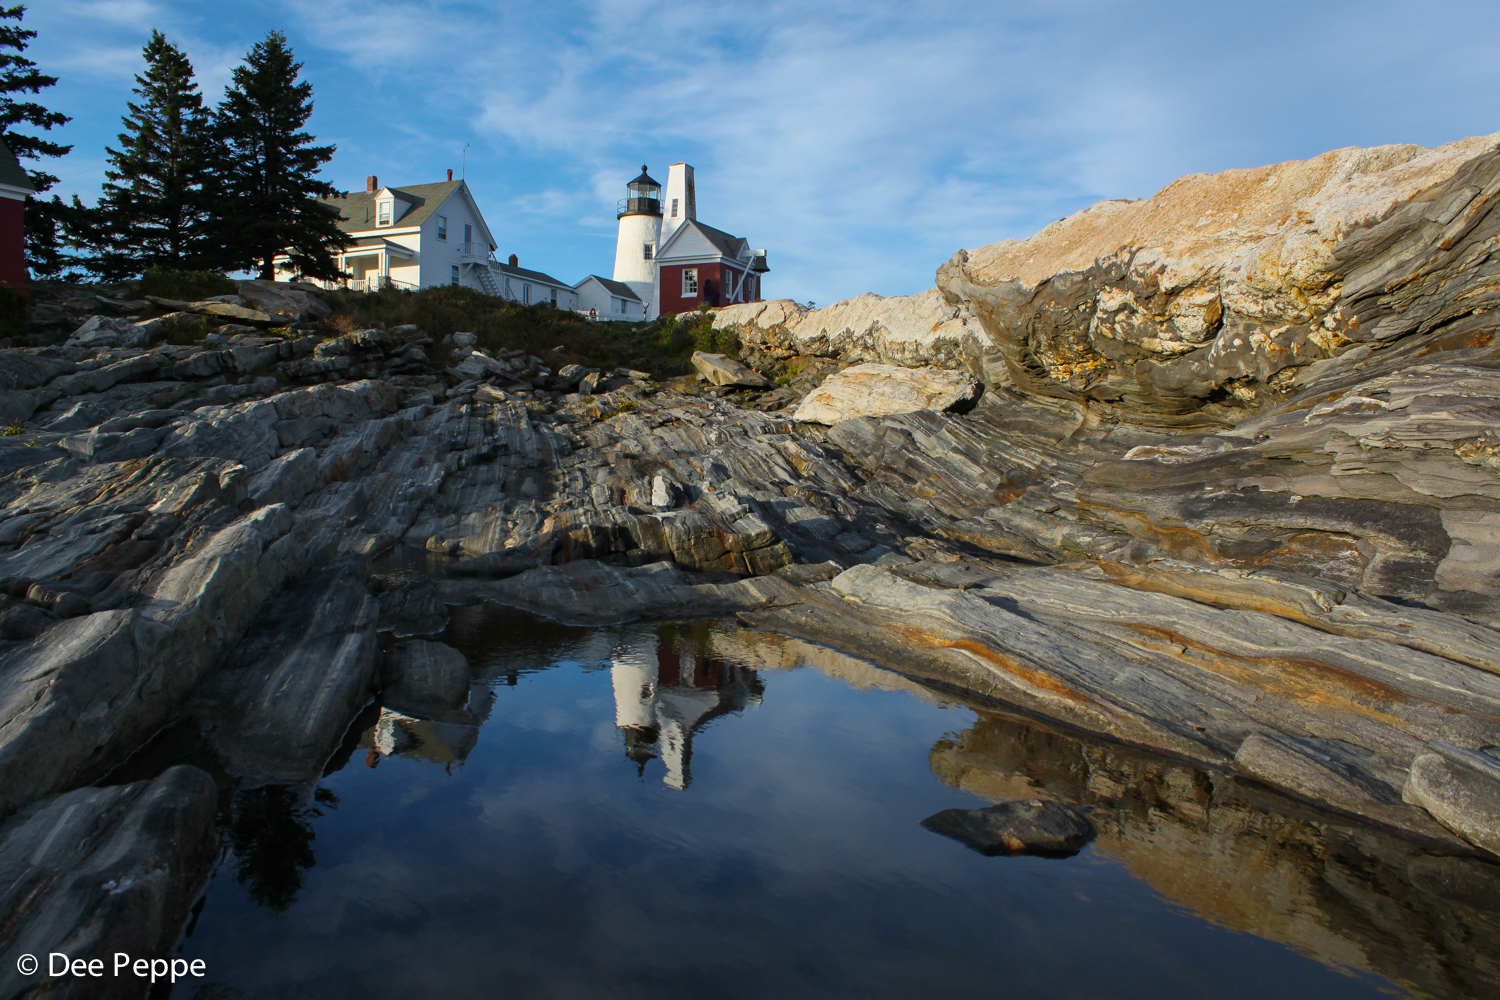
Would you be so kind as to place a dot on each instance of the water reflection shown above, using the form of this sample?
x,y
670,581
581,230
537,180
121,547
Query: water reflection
x,y
1245,859
666,694
805,843
270,830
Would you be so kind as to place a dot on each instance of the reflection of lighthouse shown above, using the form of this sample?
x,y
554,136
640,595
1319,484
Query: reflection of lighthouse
x,y
663,697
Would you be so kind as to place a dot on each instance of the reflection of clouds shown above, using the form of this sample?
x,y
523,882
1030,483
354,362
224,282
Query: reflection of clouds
x,y
795,867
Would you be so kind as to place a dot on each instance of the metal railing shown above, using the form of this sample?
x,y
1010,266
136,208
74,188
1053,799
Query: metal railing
x,y
638,206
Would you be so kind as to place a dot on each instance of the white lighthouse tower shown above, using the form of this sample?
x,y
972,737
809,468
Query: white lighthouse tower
x,y
639,236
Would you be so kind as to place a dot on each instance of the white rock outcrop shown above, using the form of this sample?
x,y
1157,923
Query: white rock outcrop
x,y
907,330
881,390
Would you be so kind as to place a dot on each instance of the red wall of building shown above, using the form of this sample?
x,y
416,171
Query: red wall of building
x,y
13,243
673,301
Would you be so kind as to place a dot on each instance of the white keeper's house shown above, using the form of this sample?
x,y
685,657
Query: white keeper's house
x,y
424,235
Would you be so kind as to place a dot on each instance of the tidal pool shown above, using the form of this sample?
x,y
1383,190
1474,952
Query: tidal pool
x,y
689,809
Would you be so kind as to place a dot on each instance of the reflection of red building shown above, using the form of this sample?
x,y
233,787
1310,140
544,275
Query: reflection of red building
x,y
15,187
660,705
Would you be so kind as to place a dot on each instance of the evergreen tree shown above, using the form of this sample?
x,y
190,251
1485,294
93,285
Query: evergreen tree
x,y
265,185
44,218
152,211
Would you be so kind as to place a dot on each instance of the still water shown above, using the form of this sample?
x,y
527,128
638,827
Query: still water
x,y
689,809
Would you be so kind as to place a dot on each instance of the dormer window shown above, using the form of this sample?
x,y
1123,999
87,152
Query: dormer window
x,y
442,232
383,213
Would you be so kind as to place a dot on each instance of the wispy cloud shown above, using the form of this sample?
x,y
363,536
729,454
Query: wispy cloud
x,y
861,142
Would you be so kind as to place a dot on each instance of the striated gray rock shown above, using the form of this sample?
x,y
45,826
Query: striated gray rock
x,y
881,390
283,300
1026,826
100,870
1461,789
572,592
281,702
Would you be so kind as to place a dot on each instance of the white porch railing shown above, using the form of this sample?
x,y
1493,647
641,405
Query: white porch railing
x,y
376,283
474,251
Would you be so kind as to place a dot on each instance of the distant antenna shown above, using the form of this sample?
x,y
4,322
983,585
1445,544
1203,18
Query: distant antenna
x,y
464,167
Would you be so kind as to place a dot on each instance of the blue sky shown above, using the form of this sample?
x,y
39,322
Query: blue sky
x,y
861,143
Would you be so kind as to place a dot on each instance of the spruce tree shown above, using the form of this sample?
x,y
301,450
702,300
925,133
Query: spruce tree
x,y
265,185
152,211
44,218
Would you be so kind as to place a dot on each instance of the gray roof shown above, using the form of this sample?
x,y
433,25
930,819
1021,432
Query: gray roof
x,y
619,288
357,208
11,172
521,272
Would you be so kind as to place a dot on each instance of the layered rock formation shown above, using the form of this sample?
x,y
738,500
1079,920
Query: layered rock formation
x,y
1200,303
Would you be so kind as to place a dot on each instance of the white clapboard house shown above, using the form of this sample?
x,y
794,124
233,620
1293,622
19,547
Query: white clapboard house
x,y
424,235
605,298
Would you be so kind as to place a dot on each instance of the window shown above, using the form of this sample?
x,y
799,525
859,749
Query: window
x,y
648,250
619,305
554,296
383,214
526,294
674,208
468,233
442,227
689,281
453,277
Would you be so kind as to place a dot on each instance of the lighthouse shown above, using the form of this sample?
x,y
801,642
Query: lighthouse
x,y
666,261
640,231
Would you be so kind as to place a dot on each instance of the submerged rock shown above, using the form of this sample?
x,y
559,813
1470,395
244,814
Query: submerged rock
x,y
1023,826
419,677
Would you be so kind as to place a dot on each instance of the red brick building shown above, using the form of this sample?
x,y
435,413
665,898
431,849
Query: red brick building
x,y
699,263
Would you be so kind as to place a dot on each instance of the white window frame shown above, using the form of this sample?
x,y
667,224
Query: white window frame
x,y
526,295
554,296
385,212
648,251
468,232
453,275
674,208
442,227
689,281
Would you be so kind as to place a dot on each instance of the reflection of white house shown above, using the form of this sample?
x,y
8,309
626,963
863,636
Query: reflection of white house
x,y
432,234
609,299
663,697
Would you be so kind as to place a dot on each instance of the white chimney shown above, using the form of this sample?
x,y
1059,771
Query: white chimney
x,y
681,199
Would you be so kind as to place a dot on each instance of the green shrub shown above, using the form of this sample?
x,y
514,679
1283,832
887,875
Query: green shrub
x,y
168,283
12,311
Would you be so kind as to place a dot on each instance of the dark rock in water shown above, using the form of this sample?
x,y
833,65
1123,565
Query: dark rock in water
x,y
413,610
100,870
285,697
424,678
1021,826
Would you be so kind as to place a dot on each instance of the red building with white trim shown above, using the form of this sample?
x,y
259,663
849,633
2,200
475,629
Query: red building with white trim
x,y
671,261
